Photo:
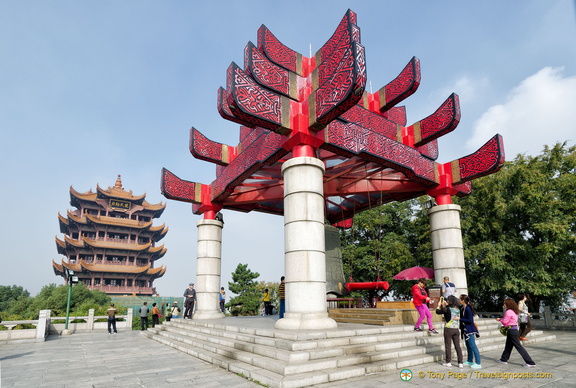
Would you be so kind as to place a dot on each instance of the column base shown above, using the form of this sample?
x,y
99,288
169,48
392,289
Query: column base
x,y
207,315
292,321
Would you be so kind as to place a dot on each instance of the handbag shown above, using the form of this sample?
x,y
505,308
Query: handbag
x,y
523,318
504,330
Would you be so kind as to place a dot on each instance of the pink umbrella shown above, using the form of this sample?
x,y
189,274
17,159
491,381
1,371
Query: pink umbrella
x,y
414,273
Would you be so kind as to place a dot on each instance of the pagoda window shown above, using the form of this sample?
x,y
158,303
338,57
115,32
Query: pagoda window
x,y
86,282
129,282
112,282
96,282
102,234
142,262
75,236
131,259
141,283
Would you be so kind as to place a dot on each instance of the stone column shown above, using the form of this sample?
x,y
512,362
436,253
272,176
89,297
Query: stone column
x,y
304,246
208,269
447,248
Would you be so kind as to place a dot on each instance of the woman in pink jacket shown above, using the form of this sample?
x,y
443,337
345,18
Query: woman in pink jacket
x,y
510,318
420,299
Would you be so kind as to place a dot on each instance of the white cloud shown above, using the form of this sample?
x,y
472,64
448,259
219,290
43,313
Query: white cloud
x,y
540,111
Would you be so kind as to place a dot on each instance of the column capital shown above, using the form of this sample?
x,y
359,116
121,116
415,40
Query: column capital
x,y
441,208
303,160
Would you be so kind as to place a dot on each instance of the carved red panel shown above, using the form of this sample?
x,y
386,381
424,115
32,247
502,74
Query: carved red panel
x,y
225,111
265,72
402,86
345,33
441,122
266,148
173,187
277,52
380,149
251,103
487,160
429,150
344,88
397,115
204,149
363,117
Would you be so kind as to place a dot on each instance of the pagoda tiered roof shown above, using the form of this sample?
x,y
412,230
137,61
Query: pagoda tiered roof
x,y
85,242
82,266
117,192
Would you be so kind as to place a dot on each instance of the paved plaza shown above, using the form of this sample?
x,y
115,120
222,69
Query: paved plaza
x,y
130,360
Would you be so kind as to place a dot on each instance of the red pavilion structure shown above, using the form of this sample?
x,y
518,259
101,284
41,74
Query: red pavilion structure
x,y
316,148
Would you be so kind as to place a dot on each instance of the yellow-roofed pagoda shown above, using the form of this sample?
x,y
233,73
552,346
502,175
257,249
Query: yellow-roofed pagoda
x,y
109,241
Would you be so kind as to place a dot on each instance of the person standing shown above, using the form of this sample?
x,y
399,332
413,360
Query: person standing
x,y
469,331
174,311
525,326
111,312
155,315
282,295
144,316
222,298
420,299
448,288
190,295
510,318
267,304
451,311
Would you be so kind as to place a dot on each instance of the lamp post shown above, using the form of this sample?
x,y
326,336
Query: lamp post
x,y
70,279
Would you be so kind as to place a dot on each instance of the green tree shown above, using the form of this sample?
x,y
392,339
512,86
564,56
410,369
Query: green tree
x,y
14,301
519,230
385,240
247,299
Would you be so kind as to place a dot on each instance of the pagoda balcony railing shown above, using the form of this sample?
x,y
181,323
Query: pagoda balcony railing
x,y
123,289
120,240
120,263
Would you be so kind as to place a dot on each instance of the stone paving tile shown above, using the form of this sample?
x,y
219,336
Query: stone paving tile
x,y
98,360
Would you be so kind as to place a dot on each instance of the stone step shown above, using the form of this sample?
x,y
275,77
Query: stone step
x,y
297,359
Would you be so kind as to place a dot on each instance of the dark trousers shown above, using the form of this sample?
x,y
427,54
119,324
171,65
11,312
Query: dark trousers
x,y
525,328
112,325
512,341
189,308
267,308
155,320
144,323
222,303
452,336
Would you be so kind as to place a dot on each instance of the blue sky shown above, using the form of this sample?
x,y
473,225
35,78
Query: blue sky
x,y
90,90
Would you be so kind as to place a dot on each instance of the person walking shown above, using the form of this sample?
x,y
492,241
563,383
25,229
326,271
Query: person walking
x,y
524,324
144,316
267,304
222,298
448,288
469,331
282,295
420,299
190,295
111,312
155,315
451,311
510,319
